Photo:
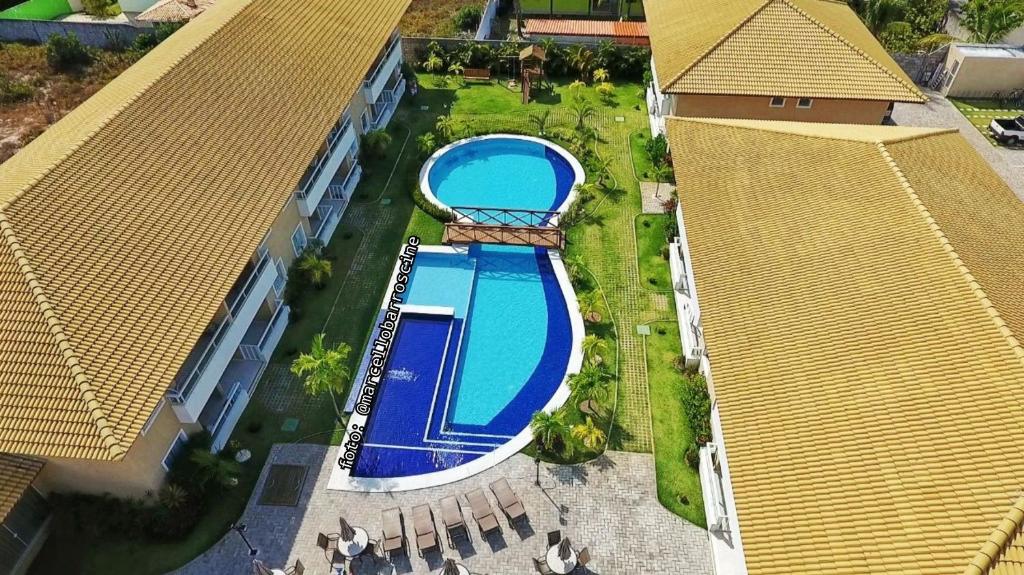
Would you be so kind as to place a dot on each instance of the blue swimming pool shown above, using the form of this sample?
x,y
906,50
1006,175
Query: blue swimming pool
x,y
484,341
502,172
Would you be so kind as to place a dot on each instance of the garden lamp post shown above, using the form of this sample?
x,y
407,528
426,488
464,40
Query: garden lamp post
x,y
536,461
240,529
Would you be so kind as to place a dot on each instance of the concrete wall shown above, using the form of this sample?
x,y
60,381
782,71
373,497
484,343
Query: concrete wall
x,y
96,34
140,471
921,66
757,108
982,77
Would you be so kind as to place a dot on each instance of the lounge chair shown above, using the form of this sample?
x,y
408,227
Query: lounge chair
x,y
297,569
582,559
554,537
423,525
393,535
453,519
483,513
509,502
541,566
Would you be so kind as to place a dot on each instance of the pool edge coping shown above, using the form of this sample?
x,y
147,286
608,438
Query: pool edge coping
x,y
341,480
580,175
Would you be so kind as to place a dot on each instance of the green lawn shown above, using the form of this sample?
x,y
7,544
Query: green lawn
x,y
650,239
363,252
641,162
980,114
678,483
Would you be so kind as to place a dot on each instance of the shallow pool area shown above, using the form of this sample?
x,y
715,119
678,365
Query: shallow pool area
x,y
502,172
485,337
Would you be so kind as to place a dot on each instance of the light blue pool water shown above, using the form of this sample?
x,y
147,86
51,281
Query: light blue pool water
x,y
505,173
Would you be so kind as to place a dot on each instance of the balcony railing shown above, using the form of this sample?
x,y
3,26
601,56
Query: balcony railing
x,y
387,103
184,386
317,165
382,64
324,214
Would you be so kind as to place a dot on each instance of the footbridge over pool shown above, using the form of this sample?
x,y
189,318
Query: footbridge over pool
x,y
504,226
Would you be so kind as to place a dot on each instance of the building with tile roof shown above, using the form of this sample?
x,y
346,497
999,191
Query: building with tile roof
x,y
147,234
24,513
854,297
807,60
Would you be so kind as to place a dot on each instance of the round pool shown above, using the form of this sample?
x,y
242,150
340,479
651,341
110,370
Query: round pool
x,y
502,171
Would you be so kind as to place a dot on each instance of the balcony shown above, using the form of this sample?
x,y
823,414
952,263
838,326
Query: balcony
x,y
321,171
384,107
203,369
377,80
711,487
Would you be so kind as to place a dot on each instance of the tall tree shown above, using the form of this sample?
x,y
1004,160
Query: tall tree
x,y
989,21
548,428
324,369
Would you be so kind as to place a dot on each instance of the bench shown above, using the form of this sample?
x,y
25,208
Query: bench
x,y
482,74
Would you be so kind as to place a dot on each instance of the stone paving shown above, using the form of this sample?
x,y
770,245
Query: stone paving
x,y
654,195
608,505
939,112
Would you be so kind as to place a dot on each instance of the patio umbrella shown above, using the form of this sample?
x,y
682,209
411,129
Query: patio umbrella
x,y
450,567
259,568
564,549
346,532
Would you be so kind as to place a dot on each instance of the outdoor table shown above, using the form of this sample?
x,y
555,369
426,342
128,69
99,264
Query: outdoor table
x,y
557,564
357,545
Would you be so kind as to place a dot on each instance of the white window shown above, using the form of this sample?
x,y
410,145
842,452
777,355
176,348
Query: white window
x,y
298,239
804,103
777,102
175,450
282,276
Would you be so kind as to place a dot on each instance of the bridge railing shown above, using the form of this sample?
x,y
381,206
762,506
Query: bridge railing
x,y
505,217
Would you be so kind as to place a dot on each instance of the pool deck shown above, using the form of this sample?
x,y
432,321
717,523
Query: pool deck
x,y
609,505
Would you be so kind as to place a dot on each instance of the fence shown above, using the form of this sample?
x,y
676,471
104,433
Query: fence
x,y
608,9
414,48
921,67
97,34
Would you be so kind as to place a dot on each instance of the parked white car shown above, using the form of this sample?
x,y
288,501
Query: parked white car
x,y
1009,131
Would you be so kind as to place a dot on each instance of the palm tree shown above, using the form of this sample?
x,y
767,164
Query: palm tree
x,y
212,468
878,14
540,120
547,428
580,59
447,126
593,348
316,268
589,305
989,21
324,369
601,75
603,168
426,143
590,384
662,174
588,434
586,191
433,63
583,111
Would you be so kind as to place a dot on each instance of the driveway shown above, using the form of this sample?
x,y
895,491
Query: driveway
x,y
609,505
938,112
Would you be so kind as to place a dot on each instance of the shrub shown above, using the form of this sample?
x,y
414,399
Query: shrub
x,y
692,456
664,252
66,52
697,406
657,149
467,18
101,8
12,92
374,144
432,210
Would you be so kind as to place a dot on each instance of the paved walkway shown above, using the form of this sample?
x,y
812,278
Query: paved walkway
x,y
938,112
608,505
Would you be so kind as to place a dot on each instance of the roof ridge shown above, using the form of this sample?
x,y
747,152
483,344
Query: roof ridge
x,y
997,541
86,393
716,45
116,111
778,126
976,288
849,44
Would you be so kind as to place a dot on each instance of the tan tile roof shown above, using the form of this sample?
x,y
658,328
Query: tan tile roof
x,y
16,474
1003,553
809,48
868,376
126,223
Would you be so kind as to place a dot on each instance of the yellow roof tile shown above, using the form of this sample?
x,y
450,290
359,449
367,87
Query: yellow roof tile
x,y
16,474
797,48
126,223
861,333
1003,553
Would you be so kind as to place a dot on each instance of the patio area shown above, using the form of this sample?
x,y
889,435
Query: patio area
x,y
608,505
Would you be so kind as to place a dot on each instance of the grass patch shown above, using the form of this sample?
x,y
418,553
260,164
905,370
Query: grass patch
x,y
980,114
678,483
641,161
650,239
433,18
